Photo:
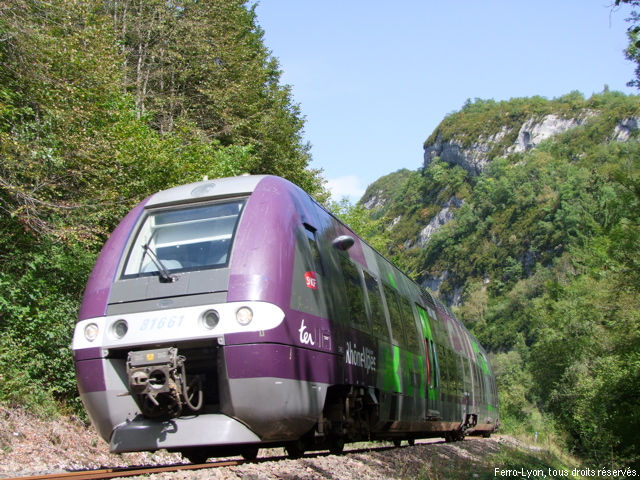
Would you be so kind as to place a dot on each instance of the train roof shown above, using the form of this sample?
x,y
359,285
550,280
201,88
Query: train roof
x,y
199,191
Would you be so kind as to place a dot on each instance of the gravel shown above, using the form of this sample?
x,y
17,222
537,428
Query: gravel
x,y
30,445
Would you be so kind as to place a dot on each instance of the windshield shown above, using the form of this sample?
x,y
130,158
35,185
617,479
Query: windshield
x,y
184,239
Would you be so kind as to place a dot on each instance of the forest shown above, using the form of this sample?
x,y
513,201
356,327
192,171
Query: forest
x,y
105,102
102,104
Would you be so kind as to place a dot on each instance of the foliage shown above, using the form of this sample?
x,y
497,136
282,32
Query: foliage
x,y
38,305
102,104
359,220
384,192
632,52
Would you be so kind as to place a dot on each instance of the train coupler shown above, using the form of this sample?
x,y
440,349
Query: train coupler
x,y
158,380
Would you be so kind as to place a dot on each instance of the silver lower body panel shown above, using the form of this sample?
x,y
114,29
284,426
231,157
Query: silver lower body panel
x,y
199,430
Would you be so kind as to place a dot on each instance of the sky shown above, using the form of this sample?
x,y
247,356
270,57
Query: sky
x,y
374,78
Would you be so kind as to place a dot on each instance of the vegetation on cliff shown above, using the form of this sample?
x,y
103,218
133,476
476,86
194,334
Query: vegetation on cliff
x,y
542,260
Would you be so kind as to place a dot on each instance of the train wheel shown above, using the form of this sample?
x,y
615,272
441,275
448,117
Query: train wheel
x,y
336,446
455,436
295,449
196,456
250,453
397,442
486,434
411,442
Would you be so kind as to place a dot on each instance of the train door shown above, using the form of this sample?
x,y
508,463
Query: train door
x,y
396,379
431,365
485,378
467,388
466,354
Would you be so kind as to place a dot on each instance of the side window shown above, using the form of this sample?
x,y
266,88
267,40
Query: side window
x,y
354,294
376,308
443,359
432,378
435,382
313,246
449,364
409,323
395,314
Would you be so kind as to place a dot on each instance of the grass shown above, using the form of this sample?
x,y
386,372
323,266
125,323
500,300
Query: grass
x,y
506,459
515,459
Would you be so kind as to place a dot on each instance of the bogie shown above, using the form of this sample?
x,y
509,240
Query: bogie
x,y
336,445
250,453
296,448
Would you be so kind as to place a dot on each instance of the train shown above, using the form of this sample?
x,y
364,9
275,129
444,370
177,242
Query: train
x,y
238,313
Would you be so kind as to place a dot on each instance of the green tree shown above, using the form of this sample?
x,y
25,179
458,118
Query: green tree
x,y
632,52
203,66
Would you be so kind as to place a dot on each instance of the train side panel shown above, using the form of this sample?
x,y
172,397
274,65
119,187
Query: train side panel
x,y
429,374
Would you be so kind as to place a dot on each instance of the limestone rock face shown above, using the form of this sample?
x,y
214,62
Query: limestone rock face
x,y
376,200
473,139
441,218
475,157
534,131
623,130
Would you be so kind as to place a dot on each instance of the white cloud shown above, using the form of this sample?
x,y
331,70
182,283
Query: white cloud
x,y
348,186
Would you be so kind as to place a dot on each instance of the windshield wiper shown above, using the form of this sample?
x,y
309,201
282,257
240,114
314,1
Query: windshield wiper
x,y
163,271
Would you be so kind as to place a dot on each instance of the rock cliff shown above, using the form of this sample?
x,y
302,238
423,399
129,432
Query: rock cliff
x,y
530,133
414,205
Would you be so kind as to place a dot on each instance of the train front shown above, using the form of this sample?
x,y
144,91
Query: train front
x,y
154,345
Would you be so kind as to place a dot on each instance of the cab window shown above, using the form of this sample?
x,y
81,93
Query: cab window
x,y
184,239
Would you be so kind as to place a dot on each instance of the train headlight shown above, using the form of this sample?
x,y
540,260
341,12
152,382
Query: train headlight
x,y
91,332
119,328
244,315
210,319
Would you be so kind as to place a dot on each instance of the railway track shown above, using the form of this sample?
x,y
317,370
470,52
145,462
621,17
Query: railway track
x,y
119,472
127,471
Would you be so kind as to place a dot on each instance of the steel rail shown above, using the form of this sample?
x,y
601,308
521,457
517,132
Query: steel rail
x,y
125,471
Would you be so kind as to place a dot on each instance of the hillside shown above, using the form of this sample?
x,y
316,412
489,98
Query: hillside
x,y
525,218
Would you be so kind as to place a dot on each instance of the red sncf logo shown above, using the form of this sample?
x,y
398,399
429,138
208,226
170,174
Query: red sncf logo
x,y
310,280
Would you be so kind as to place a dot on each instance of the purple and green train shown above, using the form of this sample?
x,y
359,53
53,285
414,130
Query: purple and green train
x,y
229,315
